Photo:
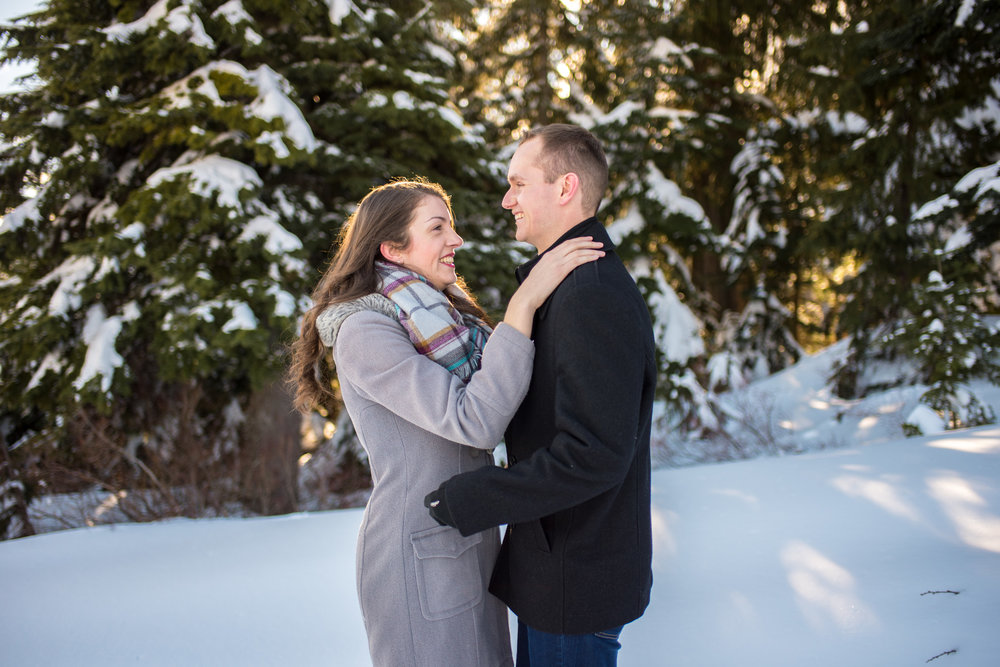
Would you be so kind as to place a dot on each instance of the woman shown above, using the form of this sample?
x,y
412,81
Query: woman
x,y
430,389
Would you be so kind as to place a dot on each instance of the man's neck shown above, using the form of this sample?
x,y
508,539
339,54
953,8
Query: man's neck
x,y
559,232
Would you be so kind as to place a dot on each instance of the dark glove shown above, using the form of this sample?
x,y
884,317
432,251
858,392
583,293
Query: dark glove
x,y
434,502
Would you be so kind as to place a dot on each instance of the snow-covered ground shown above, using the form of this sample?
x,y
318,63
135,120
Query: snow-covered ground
x,y
885,555
867,549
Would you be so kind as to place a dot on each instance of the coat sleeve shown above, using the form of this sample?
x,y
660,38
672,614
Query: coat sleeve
x,y
374,355
600,379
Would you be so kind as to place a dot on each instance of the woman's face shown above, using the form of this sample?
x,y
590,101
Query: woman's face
x,y
433,240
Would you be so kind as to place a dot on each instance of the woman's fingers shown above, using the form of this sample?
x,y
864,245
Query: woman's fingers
x,y
546,275
573,245
574,252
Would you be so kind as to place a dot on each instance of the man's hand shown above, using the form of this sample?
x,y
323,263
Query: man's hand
x,y
439,512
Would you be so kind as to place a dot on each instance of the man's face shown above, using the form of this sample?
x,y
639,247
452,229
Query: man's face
x,y
533,202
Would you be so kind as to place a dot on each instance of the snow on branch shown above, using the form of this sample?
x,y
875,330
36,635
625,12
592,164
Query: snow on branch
x,y
272,101
209,174
181,20
676,329
100,333
277,239
340,9
71,274
28,211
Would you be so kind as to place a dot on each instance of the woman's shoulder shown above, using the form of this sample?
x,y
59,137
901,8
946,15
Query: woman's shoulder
x,y
330,322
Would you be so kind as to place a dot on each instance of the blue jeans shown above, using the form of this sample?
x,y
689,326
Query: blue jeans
x,y
542,649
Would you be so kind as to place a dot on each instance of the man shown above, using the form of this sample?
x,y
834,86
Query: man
x,y
575,562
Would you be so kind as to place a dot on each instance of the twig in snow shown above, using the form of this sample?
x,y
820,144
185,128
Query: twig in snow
x,y
938,593
954,650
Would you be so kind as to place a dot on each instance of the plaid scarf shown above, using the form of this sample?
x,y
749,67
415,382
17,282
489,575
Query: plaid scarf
x,y
436,328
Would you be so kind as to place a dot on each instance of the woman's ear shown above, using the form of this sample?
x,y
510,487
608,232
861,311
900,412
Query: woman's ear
x,y
390,252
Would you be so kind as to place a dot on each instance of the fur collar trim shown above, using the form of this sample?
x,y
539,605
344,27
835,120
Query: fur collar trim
x,y
328,322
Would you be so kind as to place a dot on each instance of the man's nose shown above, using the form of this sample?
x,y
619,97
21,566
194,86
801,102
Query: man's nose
x,y
508,201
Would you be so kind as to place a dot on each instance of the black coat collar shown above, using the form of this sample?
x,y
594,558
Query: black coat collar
x,y
589,227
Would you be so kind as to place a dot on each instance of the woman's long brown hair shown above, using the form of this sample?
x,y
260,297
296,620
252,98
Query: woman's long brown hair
x,y
383,216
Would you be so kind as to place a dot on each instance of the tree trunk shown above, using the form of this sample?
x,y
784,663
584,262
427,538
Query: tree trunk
x,y
270,452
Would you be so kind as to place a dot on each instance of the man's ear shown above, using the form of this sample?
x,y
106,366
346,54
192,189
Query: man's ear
x,y
570,187
390,252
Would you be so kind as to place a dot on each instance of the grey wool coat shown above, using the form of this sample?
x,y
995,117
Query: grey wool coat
x,y
423,586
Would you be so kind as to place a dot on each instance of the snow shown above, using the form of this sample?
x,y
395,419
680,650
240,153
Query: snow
x,y
242,318
983,116
846,123
964,11
180,20
631,222
668,193
821,70
884,555
54,119
983,179
406,102
52,362
132,232
74,272
271,103
440,53
284,303
928,421
867,549
676,330
663,48
620,114
277,239
23,213
882,551
234,13
100,333
340,9
798,410
959,239
209,174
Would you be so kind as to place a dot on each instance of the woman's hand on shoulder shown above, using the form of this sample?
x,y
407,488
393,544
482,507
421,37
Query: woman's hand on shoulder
x,y
550,270
553,267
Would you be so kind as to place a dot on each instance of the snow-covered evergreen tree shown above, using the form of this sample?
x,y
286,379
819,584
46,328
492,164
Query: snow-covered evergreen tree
x,y
944,333
172,184
907,101
150,271
602,65
381,91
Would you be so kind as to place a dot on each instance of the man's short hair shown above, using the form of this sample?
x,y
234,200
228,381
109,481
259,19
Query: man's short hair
x,y
571,148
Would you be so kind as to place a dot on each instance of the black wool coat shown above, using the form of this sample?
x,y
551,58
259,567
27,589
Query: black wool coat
x,y
576,557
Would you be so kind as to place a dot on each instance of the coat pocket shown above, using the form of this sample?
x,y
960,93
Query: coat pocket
x,y
447,567
539,536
